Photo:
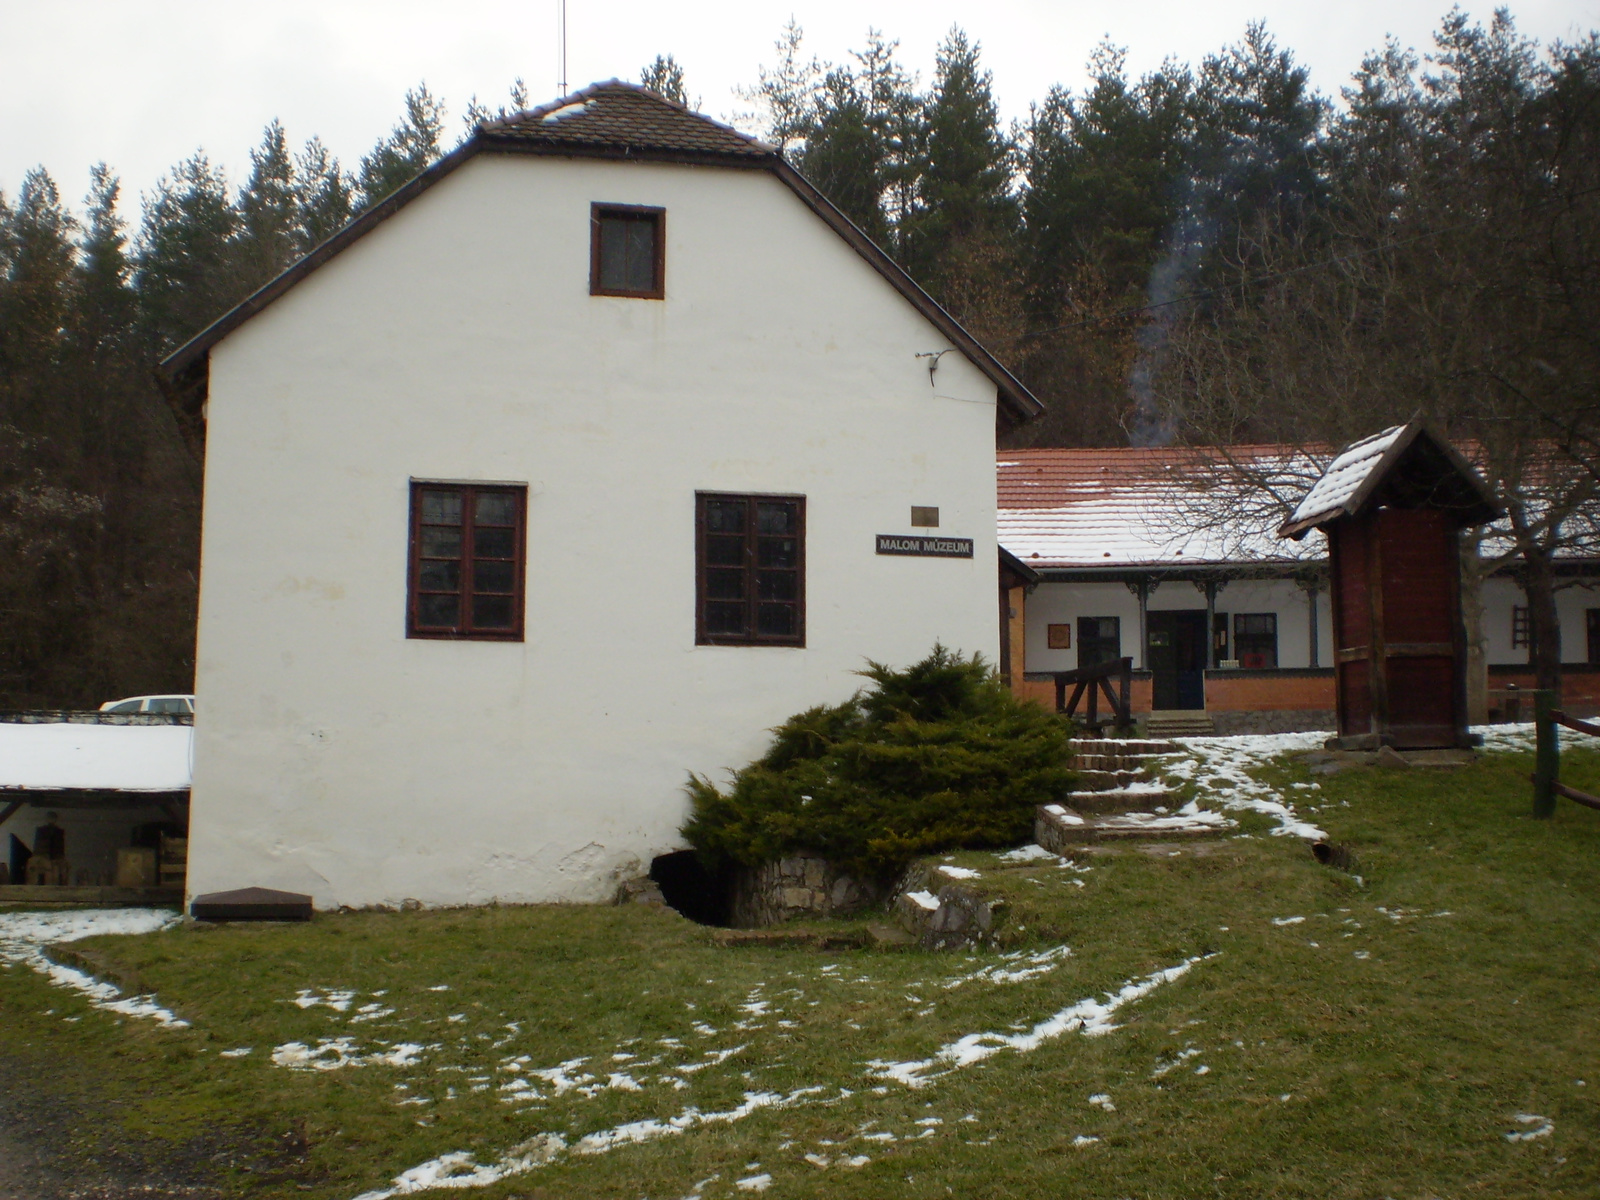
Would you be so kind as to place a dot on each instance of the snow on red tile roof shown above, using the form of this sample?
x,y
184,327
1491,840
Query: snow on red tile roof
x,y
1147,506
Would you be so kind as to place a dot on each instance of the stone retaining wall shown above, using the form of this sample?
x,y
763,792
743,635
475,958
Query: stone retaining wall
x,y
800,886
943,915
1288,720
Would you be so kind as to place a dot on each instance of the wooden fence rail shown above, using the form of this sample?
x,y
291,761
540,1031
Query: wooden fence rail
x,y
1547,783
1092,681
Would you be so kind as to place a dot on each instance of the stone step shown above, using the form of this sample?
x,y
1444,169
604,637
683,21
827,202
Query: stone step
x,y
1113,762
1105,780
1124,747
1137,796
1180,723
1058,828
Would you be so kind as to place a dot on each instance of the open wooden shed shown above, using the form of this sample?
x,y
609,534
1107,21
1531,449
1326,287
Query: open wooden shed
x,y
1393,506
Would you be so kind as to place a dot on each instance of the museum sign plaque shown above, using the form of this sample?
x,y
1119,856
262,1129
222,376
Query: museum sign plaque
x,y
919,546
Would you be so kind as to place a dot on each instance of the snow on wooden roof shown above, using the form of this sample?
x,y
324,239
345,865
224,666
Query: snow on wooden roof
x,y
1345,476
1406,465
1144,506
62,756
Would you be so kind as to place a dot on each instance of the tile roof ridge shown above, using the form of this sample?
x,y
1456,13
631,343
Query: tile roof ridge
x,y
614,86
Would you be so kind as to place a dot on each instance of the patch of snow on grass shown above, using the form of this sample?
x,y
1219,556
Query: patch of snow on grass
x,y
339,1001
925,900
334,1054
1166,1068
24,935
1102,1100
960,872
1016,967
1221,770
754,1183
1542,1127
1092,1018
239,1053
1287,920
1029,853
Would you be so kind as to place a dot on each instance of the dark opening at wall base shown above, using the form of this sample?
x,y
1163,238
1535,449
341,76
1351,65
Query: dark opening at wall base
x,y
689,887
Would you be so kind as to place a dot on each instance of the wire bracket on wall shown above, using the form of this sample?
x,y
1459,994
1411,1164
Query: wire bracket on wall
x,y
933,357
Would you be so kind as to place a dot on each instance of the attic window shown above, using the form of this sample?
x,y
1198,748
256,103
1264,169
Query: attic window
x,y
626,251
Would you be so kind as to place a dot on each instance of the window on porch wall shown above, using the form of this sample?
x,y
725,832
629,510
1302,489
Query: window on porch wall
x,y
1099,640
1255,640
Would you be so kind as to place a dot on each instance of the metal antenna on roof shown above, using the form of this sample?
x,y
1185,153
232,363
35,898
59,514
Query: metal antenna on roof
x,y
561,88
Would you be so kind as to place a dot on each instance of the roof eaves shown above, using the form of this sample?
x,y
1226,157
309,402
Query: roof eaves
x,y
186,355
1021,403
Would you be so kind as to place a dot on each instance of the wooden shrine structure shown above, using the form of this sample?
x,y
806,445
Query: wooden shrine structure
x,y
1393,506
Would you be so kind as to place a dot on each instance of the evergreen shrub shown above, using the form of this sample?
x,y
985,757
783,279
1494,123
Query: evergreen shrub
x,y
939,756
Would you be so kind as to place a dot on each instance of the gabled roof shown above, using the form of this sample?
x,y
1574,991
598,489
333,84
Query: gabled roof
x,y
1406,464
608,120
1081,510
612,115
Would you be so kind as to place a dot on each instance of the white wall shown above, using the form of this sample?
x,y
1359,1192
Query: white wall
x,y
459,341
1572,604
1064,603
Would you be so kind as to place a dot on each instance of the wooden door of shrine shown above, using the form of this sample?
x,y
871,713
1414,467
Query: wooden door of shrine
x,y
1397,627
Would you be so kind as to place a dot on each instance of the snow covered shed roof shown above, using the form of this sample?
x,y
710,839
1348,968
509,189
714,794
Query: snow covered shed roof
x,y
1154,507
613,120
69,757
1407,465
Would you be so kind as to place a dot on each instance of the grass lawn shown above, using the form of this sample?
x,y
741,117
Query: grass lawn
x,y
1335,1038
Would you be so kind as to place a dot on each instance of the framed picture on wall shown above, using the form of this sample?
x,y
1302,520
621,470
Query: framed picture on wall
x,y
1058,637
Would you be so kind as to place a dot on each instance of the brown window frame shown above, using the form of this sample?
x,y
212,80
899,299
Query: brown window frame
x,y
463,630
1521,627
1248,644
751,598
657,217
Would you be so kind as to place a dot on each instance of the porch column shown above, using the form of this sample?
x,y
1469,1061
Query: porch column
x,y
1312,587
1142,589
1311,598
1211,624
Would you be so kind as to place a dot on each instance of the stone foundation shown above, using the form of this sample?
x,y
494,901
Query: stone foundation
x,y
1285,720
800,886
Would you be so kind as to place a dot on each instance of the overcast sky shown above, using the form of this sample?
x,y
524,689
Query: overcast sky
x,y
142,84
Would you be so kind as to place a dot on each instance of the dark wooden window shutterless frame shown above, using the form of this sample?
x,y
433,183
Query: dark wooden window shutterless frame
x,y
468,561
750,570
627,251
1058,637
1255,640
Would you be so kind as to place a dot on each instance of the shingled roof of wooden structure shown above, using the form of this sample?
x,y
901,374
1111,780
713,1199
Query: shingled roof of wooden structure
x,y
1406,465
605,120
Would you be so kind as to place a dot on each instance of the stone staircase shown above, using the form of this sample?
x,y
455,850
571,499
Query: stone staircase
x,y
1179,722
1116,797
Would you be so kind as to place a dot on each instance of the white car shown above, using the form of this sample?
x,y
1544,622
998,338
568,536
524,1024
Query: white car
x,y
150,704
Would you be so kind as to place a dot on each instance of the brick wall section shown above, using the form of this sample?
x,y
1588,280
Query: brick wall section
x,y
1580,691
1225,692
1269,693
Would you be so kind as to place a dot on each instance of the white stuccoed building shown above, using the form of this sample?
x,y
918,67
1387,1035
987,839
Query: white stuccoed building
x,y
555,477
